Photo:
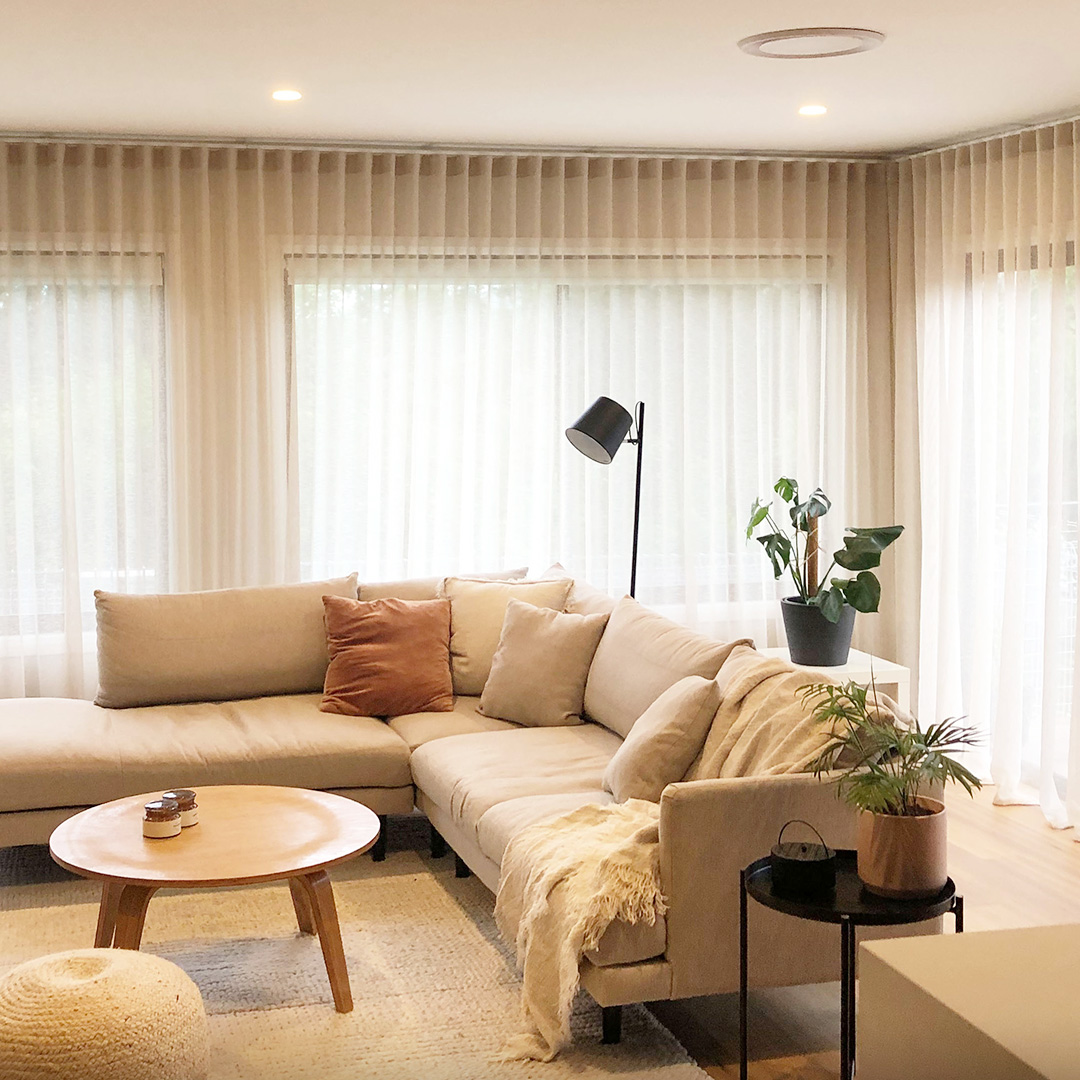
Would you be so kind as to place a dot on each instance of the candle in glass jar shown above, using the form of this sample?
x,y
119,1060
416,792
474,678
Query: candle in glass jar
x,y
189,808
161,819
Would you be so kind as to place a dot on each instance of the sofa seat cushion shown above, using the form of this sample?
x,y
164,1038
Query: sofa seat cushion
x,y
466,775
465,719
629,943
67,752
499,825
622,943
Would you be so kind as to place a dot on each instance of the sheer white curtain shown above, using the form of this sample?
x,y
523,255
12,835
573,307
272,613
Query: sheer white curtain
x,y
994,351
439,354
82,450
441,401
143,390
300,362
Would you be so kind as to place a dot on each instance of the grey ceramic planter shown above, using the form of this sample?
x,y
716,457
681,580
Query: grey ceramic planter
x,y
811,638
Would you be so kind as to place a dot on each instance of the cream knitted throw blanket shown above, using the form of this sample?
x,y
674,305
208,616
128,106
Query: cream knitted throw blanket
x,y
563,881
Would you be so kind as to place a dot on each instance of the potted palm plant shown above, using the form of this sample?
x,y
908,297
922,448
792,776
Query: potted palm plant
x,y
885,767
819,619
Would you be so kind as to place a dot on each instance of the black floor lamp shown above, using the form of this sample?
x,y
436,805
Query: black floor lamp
x,y
598,433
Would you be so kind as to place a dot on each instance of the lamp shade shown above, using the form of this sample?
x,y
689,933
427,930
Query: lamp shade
x,y
600,430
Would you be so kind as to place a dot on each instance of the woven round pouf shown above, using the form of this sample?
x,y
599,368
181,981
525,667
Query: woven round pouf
x,y
101,1014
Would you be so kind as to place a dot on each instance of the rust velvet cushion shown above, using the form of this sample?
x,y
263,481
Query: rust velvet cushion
x,y
387,657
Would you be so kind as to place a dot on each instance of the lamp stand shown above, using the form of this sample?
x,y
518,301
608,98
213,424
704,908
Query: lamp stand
x,y
639,424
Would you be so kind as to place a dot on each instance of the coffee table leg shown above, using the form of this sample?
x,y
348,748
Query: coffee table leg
x,y
106,920
131,915
321,898
304,917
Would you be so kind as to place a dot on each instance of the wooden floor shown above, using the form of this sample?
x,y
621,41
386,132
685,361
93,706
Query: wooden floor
x,y
1012,869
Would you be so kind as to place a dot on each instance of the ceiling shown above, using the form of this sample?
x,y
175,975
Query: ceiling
x,y
594,74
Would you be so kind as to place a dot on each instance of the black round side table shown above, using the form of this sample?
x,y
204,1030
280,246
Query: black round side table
x,y
850,905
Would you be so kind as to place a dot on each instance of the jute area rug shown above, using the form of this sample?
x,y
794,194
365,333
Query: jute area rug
x,y
435,988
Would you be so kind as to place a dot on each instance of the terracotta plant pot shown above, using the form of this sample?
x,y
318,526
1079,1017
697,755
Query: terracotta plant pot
x,y
901,857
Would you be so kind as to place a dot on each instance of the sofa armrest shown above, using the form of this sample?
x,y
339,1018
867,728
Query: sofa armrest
x,y
709,831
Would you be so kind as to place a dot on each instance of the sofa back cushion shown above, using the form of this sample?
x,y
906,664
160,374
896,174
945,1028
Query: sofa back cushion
x,y
213,646
584,599
387,657
426,588
477,611
538,672
641,654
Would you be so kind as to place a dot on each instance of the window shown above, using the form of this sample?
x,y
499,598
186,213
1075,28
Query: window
x,y
430,411
82,435
1017,507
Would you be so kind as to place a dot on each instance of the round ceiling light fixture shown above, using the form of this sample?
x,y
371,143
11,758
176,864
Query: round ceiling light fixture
x,y
812,110
811,42
286,95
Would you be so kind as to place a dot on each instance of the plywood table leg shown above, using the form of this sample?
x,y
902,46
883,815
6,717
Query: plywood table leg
x,y
131,915
321,897
302,906
106,920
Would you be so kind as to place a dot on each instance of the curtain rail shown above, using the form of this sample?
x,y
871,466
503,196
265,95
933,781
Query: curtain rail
x,y
992,134
969,138
450,149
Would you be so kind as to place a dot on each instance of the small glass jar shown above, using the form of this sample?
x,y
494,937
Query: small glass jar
x,y
189,808
161,819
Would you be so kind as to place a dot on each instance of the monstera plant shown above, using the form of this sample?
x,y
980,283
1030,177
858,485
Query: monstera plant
x,y
793,548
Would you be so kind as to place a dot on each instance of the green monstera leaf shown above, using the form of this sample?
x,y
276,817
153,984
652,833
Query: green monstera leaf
x,y
830,602
863,547
758,513
778,547
862,592
787,489
816,506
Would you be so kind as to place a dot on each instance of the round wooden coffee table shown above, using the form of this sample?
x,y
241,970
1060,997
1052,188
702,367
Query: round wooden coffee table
x,y
246,834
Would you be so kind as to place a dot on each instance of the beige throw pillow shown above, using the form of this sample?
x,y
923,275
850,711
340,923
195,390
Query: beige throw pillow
x,y
665,740
477,610
213,646
539,670
641,654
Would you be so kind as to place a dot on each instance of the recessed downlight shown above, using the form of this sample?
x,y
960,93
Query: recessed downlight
x,y
286,95
811,42
812,110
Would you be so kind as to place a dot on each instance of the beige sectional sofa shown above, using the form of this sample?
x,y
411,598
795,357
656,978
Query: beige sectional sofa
x,y
224,688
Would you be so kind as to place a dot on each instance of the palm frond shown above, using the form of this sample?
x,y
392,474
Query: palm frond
x,y
884,763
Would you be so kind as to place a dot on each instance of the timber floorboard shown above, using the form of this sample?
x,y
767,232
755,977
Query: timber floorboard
x,y
1012,869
